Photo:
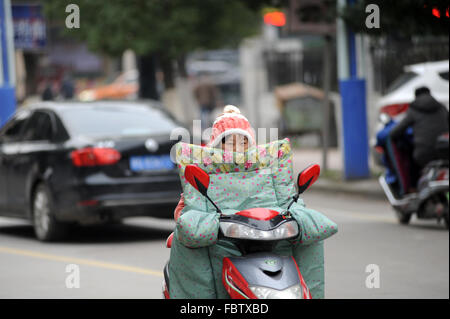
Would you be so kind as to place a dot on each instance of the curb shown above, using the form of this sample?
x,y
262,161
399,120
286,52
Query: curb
x,y
367,188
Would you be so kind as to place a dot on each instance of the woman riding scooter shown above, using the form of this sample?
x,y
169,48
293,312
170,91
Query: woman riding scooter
x,y
197,253
428,119
415,154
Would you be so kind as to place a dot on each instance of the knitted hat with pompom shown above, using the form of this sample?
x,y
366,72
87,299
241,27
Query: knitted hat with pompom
x,y
231,121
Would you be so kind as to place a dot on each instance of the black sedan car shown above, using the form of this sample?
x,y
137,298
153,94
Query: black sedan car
x,y
72,162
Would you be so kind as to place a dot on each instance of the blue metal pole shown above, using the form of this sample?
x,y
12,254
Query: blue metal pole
x,y
354,127
352,55
354,118
7,92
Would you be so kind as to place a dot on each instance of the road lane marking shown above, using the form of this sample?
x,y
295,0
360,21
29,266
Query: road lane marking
x,y
80,261
145,271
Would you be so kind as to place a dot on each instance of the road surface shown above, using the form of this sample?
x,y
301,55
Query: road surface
x,y
126,260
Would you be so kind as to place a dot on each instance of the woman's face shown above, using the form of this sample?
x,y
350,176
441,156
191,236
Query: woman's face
x,y
235,143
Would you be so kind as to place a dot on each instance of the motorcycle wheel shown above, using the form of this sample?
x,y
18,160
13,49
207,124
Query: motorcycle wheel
x,y
442,199
402,217
446,210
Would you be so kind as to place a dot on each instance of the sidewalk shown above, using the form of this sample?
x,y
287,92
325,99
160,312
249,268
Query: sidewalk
x,y
333,181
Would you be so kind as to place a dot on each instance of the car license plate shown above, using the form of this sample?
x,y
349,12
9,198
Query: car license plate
x,y
151,163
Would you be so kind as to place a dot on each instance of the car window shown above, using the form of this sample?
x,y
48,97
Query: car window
x,y
444,75
13,130
115,121
400,81
38,128
60,134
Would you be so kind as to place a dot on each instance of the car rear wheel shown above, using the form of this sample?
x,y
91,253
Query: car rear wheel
x,y
46,227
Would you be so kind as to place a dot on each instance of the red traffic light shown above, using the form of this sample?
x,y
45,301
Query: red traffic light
x,y
276,18
436,13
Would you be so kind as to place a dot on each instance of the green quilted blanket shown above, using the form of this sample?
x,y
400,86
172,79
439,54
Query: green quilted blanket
x,y
261,177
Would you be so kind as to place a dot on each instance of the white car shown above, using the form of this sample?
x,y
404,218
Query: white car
x,y
400,94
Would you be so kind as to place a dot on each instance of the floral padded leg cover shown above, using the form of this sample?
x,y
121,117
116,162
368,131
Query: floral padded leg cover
x,y
262,177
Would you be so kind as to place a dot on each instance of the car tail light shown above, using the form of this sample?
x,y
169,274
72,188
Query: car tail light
x,y
442,175
395,109
95,156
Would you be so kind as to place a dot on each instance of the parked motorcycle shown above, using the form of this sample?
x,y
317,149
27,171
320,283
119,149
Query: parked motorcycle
x,y
430,197
259,273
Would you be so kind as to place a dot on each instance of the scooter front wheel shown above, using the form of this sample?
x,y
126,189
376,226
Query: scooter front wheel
x,y
402,217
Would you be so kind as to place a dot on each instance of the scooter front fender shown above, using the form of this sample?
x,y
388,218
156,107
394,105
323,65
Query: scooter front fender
x,y
265,270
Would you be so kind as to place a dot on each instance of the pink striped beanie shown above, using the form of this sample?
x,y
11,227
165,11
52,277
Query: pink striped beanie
x,y
231,121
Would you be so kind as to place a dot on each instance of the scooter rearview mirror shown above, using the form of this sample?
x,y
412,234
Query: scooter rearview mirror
x,y
199,179
307,177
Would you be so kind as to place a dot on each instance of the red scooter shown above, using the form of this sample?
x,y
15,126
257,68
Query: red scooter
x,y
259,273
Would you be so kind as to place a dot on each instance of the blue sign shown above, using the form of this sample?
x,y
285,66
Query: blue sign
x,y
29,27
7,92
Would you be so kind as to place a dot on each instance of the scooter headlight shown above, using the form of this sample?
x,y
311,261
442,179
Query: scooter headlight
x,y
234,230
293,292
384,118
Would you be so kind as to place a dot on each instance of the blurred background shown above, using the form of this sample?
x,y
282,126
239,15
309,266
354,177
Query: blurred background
x,y
268,57
91,91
